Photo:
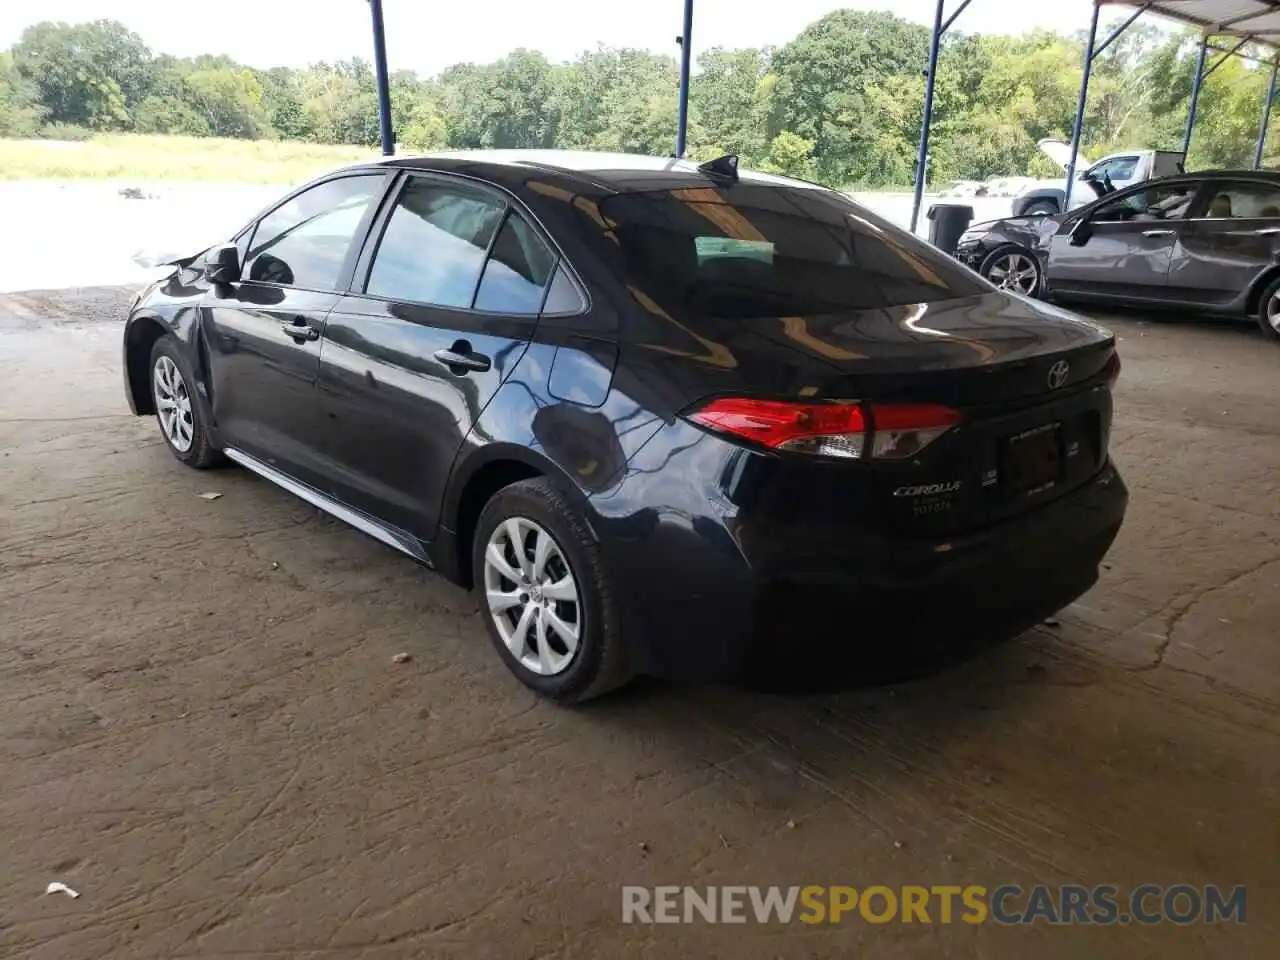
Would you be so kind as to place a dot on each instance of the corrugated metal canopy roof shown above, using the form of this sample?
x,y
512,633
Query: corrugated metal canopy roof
x,y
1240,18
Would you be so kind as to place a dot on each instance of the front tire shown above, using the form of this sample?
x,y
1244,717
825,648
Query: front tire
x,y
1269,311
546,597
1013,268
1047,207
177,410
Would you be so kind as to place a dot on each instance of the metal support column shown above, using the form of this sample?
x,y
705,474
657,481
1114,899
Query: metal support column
x,y
1195,96
1266,116
1115,34
686,55
922,158
384,83
1092,52
1078,129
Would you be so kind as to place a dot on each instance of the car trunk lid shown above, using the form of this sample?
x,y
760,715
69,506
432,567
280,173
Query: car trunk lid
x,y
968,352
1031,384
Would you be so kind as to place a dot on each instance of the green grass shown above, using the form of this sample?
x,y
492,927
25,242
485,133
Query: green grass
x,y
137,157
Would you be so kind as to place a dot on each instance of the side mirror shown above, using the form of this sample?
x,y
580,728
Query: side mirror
x,y
1080,233
222,264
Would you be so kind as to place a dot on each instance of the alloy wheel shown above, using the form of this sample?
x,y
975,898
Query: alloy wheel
x,y
1014,271
1273,311
173,404
532,596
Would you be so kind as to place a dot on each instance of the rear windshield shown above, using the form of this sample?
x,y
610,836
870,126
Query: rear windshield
x,y
750,250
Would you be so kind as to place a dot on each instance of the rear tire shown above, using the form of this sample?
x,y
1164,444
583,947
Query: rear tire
x,y
1013,268
1269,311
545,594
177,408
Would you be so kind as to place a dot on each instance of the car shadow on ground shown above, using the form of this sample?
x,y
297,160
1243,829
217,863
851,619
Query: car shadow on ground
x,y
956,722
1003,663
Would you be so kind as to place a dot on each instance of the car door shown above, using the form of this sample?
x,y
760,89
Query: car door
x,y
263,333
1231,238
443,306
1121,247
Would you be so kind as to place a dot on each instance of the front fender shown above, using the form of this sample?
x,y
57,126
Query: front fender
x,y
166,307
142,329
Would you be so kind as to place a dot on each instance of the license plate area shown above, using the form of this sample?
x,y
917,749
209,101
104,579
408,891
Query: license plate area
x,y
1031,462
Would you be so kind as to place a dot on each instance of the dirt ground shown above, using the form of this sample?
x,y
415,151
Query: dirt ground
x,y
203,732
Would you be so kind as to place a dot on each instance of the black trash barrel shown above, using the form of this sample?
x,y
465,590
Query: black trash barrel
x,y
946,222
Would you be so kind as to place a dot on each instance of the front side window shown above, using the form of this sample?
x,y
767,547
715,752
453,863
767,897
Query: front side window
x,y
763,250
1169,202
1120,168
1244,201
304,242
434,246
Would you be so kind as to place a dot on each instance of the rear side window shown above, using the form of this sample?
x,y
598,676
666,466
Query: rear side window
x,y
304,242
563,296
1244,201
755,250
434,246
517,272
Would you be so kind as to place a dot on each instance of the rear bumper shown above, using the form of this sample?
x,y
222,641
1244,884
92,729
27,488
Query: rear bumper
x,y
801,605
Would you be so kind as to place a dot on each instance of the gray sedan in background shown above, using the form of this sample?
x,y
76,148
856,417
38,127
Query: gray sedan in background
x,y
1206,242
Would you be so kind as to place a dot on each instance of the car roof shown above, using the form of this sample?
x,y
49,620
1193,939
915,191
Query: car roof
x,y
1271,176
594,171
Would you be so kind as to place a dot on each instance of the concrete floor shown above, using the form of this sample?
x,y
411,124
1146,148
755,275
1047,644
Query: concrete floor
x,y
204,732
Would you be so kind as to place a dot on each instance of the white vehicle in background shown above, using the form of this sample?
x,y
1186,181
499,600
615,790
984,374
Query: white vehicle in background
x,y
1008,186
961,189
1113,172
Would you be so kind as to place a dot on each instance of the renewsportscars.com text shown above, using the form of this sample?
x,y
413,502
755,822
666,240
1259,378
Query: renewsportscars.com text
x,y
1007,904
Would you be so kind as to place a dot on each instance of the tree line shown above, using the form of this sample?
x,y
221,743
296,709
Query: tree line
x,y
841,103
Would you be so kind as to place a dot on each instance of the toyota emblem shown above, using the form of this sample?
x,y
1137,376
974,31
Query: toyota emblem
x,y
1058,374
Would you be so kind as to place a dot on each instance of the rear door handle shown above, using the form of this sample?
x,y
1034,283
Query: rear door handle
x,y
460,360
299,329
1157,233
1267,231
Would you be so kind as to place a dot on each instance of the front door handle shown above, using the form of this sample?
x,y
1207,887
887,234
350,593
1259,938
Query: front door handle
x,y
300,329
1157,233
1267,231
460,360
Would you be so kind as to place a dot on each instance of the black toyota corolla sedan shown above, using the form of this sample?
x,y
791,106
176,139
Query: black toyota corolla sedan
x,y
667,419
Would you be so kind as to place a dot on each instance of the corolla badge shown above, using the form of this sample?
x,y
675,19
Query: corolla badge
x,y
929,489
1058,374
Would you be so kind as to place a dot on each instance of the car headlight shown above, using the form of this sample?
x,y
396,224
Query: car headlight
x,y
970,236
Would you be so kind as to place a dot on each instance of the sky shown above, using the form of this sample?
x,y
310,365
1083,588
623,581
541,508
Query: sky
x,y
429,35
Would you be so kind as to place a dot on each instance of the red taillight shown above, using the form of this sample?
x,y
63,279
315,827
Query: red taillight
x,y
789,426
849,430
